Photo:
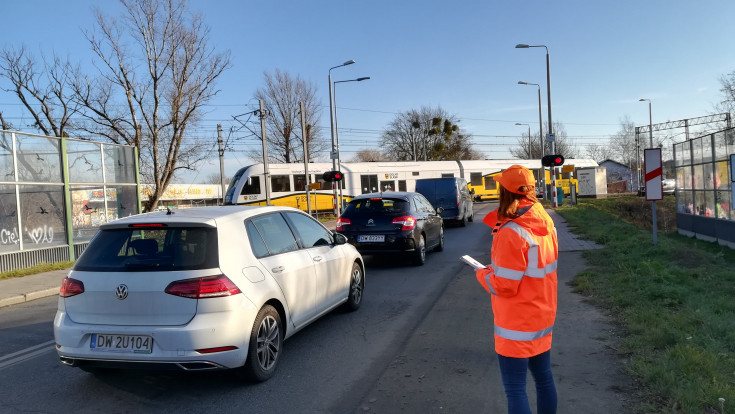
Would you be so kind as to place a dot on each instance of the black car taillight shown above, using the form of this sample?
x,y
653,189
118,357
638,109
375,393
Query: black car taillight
x,y
341,222
406,222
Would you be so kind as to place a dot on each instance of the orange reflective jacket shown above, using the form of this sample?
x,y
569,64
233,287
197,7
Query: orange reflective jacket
x,y
522,280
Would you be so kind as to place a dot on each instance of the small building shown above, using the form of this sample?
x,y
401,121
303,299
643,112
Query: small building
x,y
592,182
618,173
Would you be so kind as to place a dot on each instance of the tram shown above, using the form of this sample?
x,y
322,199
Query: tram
x,y
289,183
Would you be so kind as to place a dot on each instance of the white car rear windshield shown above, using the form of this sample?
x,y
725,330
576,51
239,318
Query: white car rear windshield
x,y
156,249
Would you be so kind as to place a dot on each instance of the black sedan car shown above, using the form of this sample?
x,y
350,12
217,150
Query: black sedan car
x,y
392,222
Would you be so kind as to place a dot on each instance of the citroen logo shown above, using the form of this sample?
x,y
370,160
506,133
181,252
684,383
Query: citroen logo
x,y
121,292
371,222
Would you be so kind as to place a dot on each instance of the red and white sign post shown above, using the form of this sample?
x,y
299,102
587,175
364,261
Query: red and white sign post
x,y
554,200
654,182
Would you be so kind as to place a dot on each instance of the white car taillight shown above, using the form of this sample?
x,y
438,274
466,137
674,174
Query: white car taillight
x,y
71,287
203,287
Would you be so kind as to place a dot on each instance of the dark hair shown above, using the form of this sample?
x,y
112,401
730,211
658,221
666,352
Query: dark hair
x,y
509,201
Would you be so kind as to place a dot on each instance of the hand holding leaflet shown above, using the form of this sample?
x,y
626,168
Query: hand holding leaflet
x,y
472,262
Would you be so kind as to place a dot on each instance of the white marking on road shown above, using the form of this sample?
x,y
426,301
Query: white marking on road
x,y
25,354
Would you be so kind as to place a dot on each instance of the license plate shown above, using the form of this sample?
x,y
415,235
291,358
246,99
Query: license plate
x,y
136,344
371,238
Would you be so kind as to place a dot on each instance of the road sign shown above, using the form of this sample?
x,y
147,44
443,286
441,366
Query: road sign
x,y
569,168
550,138
654,180
315,186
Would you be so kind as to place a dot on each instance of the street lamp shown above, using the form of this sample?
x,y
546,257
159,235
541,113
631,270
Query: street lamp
x,y
529,138
540,121
650,121
551,128
540,135
336,128
333,155
548,85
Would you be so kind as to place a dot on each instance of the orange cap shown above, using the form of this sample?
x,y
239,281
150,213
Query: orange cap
x,y
516,177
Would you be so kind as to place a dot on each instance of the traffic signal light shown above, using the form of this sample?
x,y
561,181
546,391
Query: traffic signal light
x,y
332,176
554,160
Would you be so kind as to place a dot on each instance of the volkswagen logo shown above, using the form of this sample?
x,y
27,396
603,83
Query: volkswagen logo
x,y
121,292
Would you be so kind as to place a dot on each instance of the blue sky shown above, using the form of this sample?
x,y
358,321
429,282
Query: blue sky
x,y
459,55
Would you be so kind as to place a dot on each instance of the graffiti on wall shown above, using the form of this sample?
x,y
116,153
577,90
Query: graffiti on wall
x,y
39,235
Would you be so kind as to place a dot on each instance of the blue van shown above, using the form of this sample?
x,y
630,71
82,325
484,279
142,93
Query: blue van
x,y
451,194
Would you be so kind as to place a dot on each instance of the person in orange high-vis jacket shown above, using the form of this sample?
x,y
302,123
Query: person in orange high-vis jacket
x,y
522,283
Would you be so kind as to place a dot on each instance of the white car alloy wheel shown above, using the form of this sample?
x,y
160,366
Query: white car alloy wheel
x,y
357,285
266,341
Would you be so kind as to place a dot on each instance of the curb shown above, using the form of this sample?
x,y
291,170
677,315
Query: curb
x,y
29,297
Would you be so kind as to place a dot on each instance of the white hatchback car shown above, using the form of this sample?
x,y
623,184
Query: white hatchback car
x,y
203,288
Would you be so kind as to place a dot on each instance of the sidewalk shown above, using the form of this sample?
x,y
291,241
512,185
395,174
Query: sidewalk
x,y
27,288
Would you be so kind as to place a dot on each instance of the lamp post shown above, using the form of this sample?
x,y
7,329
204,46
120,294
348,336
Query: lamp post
x,y
333,155
650,122
540,135
529,138
551,128
336,130
650,138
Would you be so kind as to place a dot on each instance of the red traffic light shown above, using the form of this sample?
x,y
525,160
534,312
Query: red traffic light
x,y
553,160
332,176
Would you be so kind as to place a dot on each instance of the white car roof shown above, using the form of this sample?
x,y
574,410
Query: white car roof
x,y
201,215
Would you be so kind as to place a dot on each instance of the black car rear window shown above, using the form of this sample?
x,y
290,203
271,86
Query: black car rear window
x,y
381,206
137,250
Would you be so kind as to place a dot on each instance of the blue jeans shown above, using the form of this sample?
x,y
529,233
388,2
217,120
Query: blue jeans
x,y
514,371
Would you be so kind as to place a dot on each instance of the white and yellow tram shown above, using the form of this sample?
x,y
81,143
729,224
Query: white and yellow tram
x,y
289,184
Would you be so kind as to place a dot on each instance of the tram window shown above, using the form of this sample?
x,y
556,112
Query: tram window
x,y
369,183
448,175
415,173
475,178
280,183
252,186
299,182
402,185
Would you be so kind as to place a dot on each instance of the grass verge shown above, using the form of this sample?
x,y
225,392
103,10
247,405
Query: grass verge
x,y
43,267
675,303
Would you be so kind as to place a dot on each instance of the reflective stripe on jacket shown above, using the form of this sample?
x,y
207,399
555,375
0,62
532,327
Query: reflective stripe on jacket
x,y
522,281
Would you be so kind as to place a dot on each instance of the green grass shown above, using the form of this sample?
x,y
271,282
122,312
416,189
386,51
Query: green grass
x,y
43,267
675,302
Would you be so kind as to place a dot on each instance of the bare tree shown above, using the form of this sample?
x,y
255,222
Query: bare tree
x,y
623,144
562,144
282,96
157,72
369,155
428,134
598,152
42,88
727,83
214,178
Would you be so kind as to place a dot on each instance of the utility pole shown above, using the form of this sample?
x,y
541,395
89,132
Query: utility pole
x,y
221,161
306,156
266,171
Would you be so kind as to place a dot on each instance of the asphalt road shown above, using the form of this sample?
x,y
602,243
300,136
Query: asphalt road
x,y
420,343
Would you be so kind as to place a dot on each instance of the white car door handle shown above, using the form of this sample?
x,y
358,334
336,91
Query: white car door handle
x,y
317,258
278,269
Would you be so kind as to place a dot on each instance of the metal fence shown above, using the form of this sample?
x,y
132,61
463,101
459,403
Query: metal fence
x,y
55,192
